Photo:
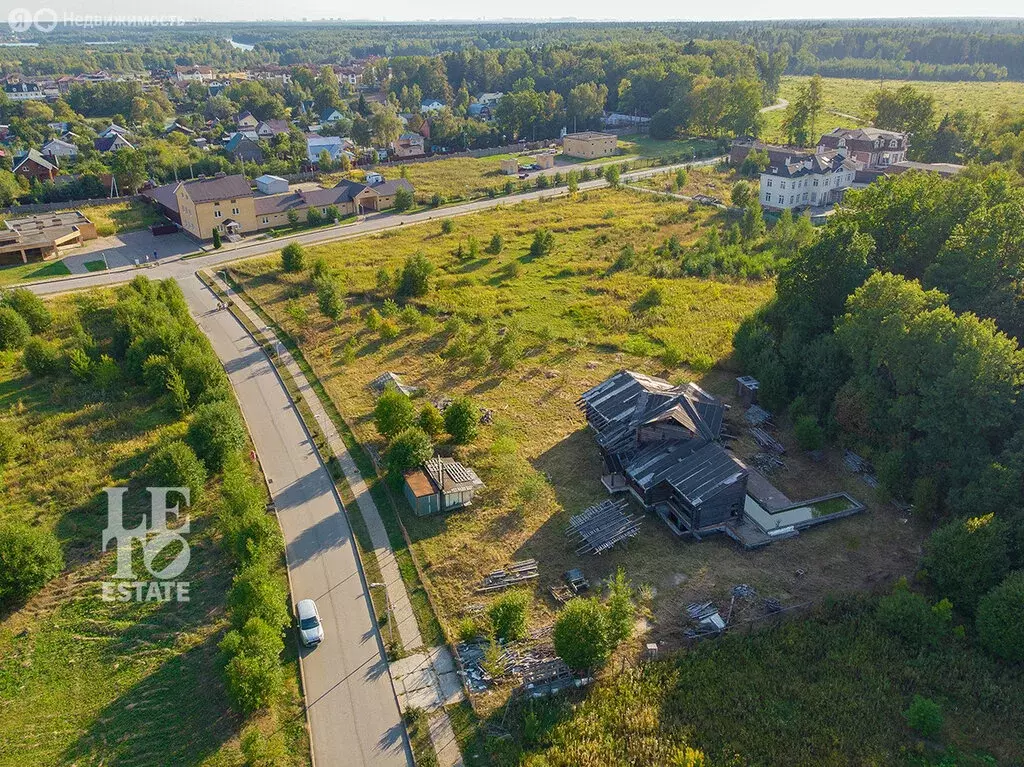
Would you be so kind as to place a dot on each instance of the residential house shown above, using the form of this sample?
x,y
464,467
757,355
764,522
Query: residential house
x,y
590,145
24,92
869,148
223,202
350,73
335,146
34,166
267,129
56,150
244,146
408,145
330,115
193,73
177,127
114,129
347,197
59,127
441,484
799,179
111,143
247,122
661,443
431,105
43,236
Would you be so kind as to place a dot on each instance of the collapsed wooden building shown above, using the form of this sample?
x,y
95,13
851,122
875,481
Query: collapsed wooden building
x,y
661,443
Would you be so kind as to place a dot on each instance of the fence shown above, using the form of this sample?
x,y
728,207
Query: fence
x,y
46,207
528,146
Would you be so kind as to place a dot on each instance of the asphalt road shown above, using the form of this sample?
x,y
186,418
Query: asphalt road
x,y
353,713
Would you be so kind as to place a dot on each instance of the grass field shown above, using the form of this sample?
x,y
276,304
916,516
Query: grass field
x,y
85,681
33,271
580,321
847,95
122,217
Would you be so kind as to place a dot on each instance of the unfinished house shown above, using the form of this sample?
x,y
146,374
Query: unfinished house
x,y
660,443
440,484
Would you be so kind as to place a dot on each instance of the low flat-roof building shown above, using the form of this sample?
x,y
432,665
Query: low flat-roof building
x,y
42,237
440,484
589,145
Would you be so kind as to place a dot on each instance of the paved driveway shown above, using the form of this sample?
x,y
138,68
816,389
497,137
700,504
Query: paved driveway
x,y
123,249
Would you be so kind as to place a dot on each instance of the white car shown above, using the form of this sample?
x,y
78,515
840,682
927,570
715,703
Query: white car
x,y
311,629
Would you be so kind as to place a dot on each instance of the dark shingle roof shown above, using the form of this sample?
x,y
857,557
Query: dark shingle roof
x,y
696,475
210,189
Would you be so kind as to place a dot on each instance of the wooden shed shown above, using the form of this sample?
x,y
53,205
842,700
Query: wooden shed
x,y
440,484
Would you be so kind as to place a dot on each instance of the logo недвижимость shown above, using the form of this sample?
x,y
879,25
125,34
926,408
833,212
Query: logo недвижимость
x,y
154,539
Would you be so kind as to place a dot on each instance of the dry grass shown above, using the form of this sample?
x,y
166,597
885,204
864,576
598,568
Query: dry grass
x,y
572,298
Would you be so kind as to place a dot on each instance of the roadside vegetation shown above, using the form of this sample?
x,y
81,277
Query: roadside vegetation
x,y
118,388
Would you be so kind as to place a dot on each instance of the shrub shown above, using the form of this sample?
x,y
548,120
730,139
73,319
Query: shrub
x,y
447,226
611,174
257,593
216,239
256,637
30,307
176,465
1000,620
106,374
924,717
908,615
403,200
431,420
314,218
809,434
408,450
215,432
741,194
509,615
543,243
964,559
330,296
415,278
462,420
249,533
79,364
253,682
177,392
41,358
156,373
581,634
29,557
621,608
293,257
260,749
14,331
467,630
393,413
496,245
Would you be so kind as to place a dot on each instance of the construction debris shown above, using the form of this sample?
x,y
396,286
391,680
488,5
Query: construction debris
x,y
766,463
575,584
745,591
514,574
603,525
861,466
757,415
384,380
705,614
766,440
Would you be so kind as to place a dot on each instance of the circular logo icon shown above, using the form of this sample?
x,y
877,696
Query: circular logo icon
x,y
46,19
20,20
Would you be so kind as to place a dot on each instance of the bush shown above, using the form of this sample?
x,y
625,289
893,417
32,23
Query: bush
x,y
29,557
431,420
543,243
1000,620
496,245
79,364
176,465
447,226
393,413
330,296
964,559
41,358
924,717
403,200
509,615
216,239
581,634
106,374
809,434
462,420
468,630
254,682
14,331
249,533
293,257
415,277
30,307
621,608
216,432
908,615
408,450
257,593
741,194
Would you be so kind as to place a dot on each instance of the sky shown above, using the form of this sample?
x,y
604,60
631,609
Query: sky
x,y
471,10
